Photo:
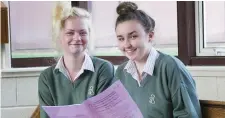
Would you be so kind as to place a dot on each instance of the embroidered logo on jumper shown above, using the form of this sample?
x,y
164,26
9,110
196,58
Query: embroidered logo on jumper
x,y
91,90
152,99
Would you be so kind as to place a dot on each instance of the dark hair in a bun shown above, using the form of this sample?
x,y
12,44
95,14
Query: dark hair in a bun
x,y
126,7
129,11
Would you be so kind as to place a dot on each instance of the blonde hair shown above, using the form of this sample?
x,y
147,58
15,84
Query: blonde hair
x,y
61,13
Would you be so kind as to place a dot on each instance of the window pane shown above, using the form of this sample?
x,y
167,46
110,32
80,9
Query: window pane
x,y
104,17
214,23
165,14
30,24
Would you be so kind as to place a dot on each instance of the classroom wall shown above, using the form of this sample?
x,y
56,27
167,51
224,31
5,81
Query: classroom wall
x,y
19,88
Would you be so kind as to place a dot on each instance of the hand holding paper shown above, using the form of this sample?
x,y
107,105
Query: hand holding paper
x,y
114,102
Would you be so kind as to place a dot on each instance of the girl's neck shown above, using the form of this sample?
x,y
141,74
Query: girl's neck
x,y
141,63
73,63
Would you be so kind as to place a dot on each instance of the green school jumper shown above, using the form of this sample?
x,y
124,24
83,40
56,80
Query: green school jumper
x,y
55,89
169,93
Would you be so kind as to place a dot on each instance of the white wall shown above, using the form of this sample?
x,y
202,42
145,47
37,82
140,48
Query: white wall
x,y
19,88
19,92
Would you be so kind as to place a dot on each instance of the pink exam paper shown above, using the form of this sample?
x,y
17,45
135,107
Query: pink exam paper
x,y
114,102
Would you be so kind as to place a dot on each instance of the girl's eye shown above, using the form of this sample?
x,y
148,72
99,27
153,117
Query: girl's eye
x,y
134,37
69,33
83,33
121,39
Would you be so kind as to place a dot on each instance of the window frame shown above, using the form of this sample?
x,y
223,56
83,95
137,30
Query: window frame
x,y
186,42
200,33
48,61
187,38
6,47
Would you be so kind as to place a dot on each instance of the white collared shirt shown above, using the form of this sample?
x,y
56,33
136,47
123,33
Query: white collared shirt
x,y
87,65
148,68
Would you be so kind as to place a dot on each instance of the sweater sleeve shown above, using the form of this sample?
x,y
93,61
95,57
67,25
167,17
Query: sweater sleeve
x,y
45,98
183,92
106,76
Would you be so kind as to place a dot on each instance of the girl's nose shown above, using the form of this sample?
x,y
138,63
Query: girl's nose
x,y
76,36
127,44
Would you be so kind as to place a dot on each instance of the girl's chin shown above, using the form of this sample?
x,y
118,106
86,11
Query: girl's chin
x,y
131,57
75,52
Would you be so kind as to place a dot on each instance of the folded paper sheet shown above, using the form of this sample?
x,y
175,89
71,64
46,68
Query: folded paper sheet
x,y
114,102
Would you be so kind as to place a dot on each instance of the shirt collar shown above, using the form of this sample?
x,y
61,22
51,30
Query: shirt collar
x,y
149,66
87,64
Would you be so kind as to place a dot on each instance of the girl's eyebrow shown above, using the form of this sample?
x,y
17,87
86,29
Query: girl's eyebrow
x,y
132,32
70,30
128,34
118,36
83,30
74,30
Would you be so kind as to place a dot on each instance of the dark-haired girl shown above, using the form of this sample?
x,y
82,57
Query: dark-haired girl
x,y
159,83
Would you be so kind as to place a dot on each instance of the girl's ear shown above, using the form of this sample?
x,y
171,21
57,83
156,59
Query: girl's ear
x,y
150,36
